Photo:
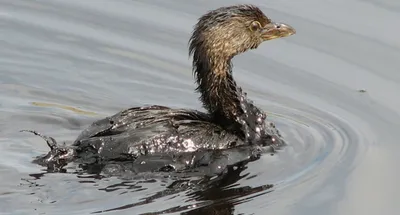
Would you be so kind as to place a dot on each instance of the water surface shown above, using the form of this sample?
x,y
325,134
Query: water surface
x,y
332,90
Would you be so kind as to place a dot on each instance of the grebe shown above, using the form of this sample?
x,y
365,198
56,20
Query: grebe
x,y
232,121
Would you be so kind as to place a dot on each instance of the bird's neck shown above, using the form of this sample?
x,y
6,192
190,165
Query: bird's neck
x,y
218,89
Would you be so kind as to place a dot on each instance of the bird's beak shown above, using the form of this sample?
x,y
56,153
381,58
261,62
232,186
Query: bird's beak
x,y
275,30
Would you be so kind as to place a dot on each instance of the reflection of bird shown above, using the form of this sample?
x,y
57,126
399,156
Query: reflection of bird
x,y
204,195
231,120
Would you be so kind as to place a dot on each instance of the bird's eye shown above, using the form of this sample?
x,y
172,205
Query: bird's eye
x,y
255,25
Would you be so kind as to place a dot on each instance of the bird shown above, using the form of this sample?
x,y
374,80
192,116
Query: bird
x,y
231,119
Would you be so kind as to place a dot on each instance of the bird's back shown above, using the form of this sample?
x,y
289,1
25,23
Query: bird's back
x,y
151,130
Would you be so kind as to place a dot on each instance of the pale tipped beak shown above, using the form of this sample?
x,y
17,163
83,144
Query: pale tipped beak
x,y
275,30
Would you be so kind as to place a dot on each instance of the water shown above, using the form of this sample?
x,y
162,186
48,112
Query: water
x,y
332,90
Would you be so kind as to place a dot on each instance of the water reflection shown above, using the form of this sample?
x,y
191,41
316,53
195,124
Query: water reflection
x,y
217,195
204,195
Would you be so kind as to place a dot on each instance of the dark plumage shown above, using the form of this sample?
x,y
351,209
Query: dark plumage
x,y
231,121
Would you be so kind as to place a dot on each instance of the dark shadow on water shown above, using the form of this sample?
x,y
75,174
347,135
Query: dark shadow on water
x,y
218,195
214,196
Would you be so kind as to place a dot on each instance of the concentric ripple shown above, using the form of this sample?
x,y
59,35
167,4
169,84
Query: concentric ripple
x,y
64,64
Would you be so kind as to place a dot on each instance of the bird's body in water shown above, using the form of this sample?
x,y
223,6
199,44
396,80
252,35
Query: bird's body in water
x,y
231,122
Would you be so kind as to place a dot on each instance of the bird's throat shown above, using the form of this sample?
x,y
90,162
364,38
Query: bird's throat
x,y
218,89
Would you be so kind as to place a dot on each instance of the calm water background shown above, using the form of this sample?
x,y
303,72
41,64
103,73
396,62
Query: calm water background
x,y
64,64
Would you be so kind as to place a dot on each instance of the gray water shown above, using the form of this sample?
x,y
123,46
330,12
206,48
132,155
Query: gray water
x,y
332,90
